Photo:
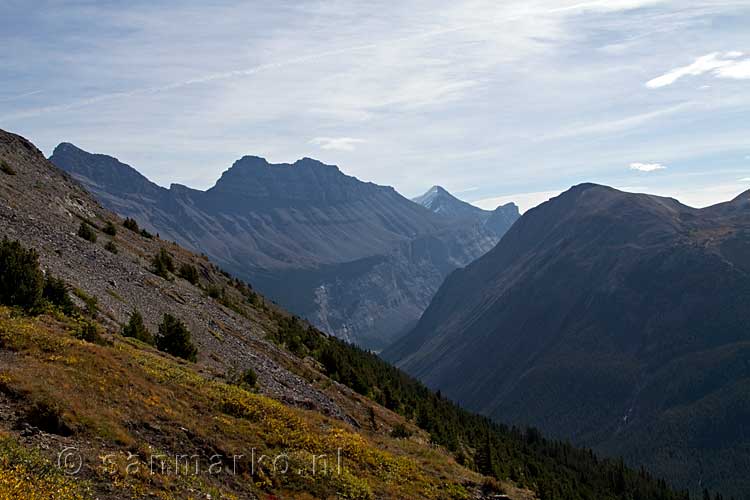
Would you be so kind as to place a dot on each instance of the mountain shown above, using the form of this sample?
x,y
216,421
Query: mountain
x,y
440,201
437,199
92,406
620,321
356,259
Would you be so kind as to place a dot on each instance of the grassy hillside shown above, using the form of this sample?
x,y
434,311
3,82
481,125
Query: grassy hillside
x,y
121,403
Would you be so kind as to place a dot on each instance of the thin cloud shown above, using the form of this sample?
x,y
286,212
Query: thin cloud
x,y
337,143
602,5
746,179
20,96
647,167
726,65
617,125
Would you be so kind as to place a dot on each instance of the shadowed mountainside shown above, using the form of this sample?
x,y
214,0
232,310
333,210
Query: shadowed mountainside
x,y
621,321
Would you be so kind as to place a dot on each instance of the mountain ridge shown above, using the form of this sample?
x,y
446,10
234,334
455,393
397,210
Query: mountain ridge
x,y
357,259
589,319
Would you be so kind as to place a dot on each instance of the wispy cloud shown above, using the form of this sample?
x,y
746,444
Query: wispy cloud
x,y
209,78
721,65
647,167
20,96
532,16
337,143
746,179
509,96
614,125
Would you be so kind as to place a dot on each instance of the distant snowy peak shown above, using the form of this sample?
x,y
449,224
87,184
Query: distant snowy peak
x,y
439,200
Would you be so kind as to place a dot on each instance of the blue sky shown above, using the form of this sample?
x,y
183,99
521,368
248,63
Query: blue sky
x,y
496,101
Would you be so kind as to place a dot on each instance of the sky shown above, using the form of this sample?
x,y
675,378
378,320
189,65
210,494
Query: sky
x,y
496,101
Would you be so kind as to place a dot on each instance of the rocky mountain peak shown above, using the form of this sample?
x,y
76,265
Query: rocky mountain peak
x,y
66,148
99,169
433,196
438,190
305,181
440,201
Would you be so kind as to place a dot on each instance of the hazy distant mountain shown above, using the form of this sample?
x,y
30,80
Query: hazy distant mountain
x,y
440,201
357,259
619,320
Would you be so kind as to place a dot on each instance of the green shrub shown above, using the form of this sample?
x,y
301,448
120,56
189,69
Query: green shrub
x,y
137,330
253,299
146,234
110,229
56,293
215,292
131,224
400,431
21,280
249,378
7,169
111,247
189,272
89,331
174,339
87,232
162,264
91,302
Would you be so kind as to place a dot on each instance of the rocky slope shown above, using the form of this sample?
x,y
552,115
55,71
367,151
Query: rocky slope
x,y
357,259
620,321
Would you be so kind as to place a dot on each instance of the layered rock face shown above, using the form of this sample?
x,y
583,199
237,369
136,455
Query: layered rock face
x,y
357,259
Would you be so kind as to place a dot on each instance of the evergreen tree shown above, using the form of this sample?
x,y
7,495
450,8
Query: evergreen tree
x,y
162,264
110,229
249,378
189,273
56,293
174,338
136,329
87,232
21,280
484,460
131,224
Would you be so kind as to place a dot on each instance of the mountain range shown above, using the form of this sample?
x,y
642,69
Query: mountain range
x,y
620,321
133,368
357,259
